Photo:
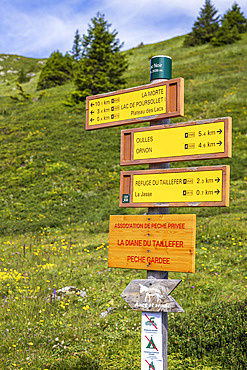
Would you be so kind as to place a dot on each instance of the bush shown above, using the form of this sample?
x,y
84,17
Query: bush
x,y
216,333
57,71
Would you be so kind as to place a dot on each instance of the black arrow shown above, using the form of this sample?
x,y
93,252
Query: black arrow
x,y
218,179
219,131
219,143
91,119
92,104
217,191
92,112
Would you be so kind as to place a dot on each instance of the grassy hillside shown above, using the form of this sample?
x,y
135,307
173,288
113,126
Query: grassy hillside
x,y
58,186
55,173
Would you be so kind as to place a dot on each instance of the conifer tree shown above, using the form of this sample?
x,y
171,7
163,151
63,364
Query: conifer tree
x,y
76,48
235,17
205,26
225,35
102,65
232,24
57,71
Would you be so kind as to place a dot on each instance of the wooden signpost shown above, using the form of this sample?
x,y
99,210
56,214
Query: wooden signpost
x,y
205,139
153,242
180,187
138,104
159,242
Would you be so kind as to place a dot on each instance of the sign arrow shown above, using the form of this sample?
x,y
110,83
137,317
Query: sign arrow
x,y
92,104
217,191
219,143
91,119
92,112
217,179
219,131
152,295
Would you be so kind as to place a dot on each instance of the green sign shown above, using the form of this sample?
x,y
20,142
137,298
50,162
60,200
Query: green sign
x,y
160,67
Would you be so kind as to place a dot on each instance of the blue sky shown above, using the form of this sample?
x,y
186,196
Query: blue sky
x,y
36,28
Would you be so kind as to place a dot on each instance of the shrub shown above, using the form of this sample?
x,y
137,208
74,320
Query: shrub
x,y
216,333
57,71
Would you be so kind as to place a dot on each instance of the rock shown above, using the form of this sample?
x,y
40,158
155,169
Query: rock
x,y
69,290
66,291
105,313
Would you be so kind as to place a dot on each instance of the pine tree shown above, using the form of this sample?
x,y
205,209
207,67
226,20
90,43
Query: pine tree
x,y
205,26
235,17
57,71
225,35
102,65
77,48
232,24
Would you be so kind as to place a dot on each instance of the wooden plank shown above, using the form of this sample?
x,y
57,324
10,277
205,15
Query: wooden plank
x,y
127,147
153,242
135,105
197,140
152,295
177,187
173,97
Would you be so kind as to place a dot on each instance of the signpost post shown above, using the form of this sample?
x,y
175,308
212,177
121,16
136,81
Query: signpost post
x,y
160,69
152,297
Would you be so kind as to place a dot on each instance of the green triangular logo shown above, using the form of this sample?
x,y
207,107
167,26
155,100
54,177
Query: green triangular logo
x,y
151,366
151,343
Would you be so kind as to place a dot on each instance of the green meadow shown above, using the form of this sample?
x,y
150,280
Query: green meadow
x,y
58,186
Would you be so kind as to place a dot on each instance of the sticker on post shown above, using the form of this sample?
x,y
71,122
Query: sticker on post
x,y
126,198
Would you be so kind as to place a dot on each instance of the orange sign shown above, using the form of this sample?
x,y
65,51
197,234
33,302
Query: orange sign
x,y
153,242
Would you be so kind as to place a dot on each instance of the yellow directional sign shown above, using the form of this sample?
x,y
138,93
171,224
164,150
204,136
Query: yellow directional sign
x,y
139,104
153,242
203,186
177,142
